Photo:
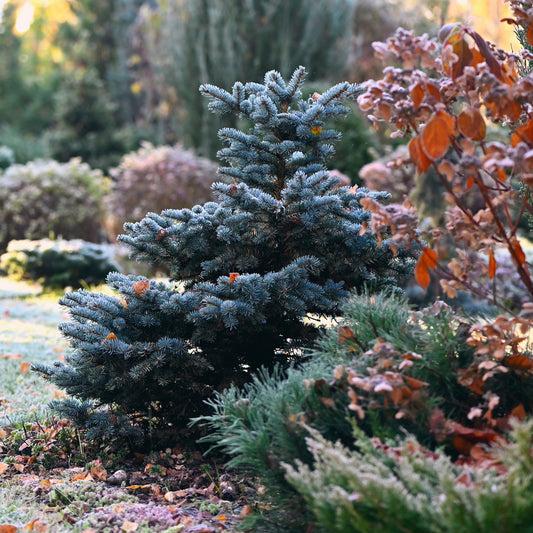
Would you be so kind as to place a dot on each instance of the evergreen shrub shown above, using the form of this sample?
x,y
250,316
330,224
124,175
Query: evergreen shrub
x,y
57,263
44,198
7,157
402,487
156,178
251,276
395,371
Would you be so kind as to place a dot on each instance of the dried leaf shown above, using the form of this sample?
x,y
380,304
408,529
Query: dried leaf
x,y
518,362
529,34
518,251
233,276
128,526
3,467
417,155
346,334
24,368
81,476
472,124
140,287
38,526
435,138
111,337
426,262
99,473
492,264
11,356
523,134
7,528
417,94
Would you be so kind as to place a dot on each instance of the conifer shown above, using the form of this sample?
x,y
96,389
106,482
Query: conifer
x,y
251,274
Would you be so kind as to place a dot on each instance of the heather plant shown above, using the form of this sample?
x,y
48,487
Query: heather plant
x,y
251,275
156,178
57,263
44,198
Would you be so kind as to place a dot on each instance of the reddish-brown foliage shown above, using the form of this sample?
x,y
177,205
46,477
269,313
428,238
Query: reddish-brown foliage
x,y
444,102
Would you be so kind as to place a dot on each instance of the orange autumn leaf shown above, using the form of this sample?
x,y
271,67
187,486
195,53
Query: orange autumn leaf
x,y
233,276
529,34
37,525
81,476
415,384
435,138
519,362
99,473
417,95
472,124
492,264
523,134
111,337
345,334
426,262
141,286
3,467
24,368
417,155
7,528
433,90
12,356
462,57
518,251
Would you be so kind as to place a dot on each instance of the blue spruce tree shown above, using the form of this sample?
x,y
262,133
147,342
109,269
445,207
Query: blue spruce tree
x,y
251,274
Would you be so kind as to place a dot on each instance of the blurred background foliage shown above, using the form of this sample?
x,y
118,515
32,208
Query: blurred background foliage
x,y
93,78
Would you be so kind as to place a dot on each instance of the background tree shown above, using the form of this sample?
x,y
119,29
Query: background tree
x,y
197,41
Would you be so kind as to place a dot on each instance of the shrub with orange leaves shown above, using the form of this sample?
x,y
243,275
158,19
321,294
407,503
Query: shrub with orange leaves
x,y
446,96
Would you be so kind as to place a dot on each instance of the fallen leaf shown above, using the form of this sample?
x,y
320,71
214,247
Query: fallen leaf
x,y
11,356
80,477
99,473
3,467
7,528
128,526
38,526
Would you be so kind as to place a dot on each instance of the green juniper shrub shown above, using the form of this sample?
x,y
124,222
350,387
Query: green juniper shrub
x,y
156,178
394,371
402,487
284,243
57,263
42,198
